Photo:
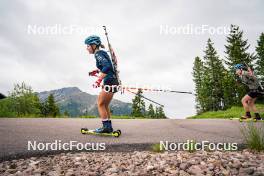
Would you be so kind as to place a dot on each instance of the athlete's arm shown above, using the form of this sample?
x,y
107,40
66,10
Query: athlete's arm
x,y
105,62
99,80
106,66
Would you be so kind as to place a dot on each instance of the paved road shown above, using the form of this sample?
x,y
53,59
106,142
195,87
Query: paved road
x,y
136,134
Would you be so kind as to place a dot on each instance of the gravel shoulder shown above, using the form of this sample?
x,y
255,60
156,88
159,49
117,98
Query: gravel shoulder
x,y
139,163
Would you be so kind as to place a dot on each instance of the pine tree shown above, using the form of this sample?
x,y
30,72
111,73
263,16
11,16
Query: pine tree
x,y
53,109
237,52
44,109
198,76
161,113
156,112
229,93
260,57
213,78
237,48
151,111
138,105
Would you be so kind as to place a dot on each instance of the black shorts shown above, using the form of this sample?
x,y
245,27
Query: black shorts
x,y
111,88
254,94
111,85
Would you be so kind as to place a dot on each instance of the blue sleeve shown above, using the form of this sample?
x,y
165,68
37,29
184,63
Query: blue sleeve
x,y
106,66
104,62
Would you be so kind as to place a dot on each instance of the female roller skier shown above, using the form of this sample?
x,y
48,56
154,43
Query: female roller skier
x,y
105,72
255,90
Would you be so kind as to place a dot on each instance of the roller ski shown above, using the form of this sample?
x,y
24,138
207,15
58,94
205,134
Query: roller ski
x,y
116,133
248,119
251,120
105,130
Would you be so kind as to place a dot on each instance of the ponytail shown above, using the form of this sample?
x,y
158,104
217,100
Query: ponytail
x,y
100,46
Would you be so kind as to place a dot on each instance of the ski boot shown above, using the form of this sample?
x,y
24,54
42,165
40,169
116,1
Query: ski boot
x,y
246,117
257,117
106,128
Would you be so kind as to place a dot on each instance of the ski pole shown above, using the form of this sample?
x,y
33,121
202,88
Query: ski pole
x,y
140,96
154,90
157,90
146,98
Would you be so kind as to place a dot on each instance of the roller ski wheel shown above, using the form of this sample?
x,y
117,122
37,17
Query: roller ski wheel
x,y
84,130
251,120
119,131
258,120
116,133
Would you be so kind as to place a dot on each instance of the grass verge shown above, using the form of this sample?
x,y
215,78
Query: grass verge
x,y
157,148
253,134
234,112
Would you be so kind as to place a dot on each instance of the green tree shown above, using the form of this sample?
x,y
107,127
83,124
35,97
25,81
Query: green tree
x,y
24,101
260,57
151,111
44,109
237,52
213,78
53,109
138,105
237,48
6,108
229,93
66,113
160,112
198,78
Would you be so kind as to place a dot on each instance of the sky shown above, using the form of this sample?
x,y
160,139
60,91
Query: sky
x,y
42,42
